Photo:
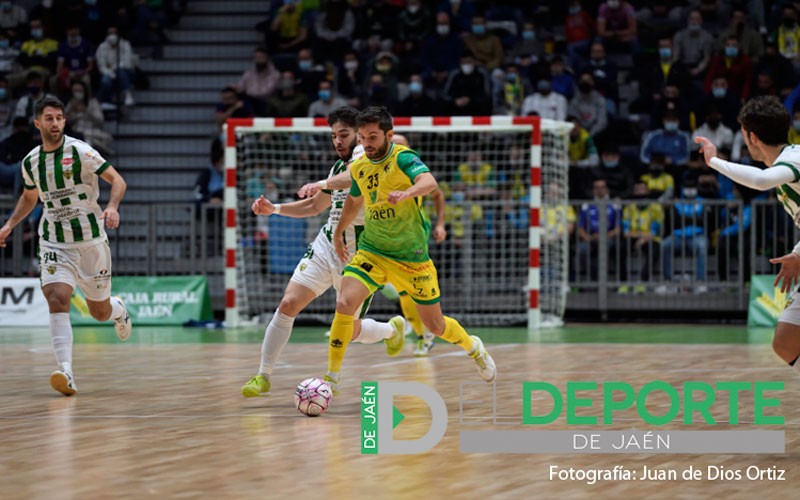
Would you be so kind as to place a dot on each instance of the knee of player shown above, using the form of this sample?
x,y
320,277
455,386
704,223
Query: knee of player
x,y
289,306
58,302
346,304
786,343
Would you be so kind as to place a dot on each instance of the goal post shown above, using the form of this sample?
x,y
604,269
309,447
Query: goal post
x,y
505,183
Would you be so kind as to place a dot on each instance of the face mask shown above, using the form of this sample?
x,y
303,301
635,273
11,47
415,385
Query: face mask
x,y
479,29
3,93
4,44
75,40
544,87
34,90
795,123
575,9
287,84
670,126
467,69
665,53
261,66
690,192
719,92
511,77
694,27
324,95
78,95
731,51
611,163
351,65
47,3
304,65
415,87
413,9
656,168
383,67
585,87
113,39
442,29
459,196
37,33
713,123
528,35
613,4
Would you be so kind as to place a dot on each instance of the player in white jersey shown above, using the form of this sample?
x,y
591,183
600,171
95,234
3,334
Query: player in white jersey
x,y
73,247
765,128
320,268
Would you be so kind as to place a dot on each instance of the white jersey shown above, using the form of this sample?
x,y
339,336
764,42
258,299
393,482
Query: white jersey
x,y
68,188
789,193
338,196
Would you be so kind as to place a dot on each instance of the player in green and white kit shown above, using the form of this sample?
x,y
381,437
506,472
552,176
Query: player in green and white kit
x,y
765,127
320,268
73,247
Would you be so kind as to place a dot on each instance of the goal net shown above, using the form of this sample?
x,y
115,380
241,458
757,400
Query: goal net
x,y
504,260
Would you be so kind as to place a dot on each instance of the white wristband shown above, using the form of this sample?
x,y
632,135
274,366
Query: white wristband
x,y
323,184
277,208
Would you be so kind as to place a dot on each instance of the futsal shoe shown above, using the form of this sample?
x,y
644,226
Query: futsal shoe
x,y
256,386
123,325
483,360
395,343
424,345
333,383
63,383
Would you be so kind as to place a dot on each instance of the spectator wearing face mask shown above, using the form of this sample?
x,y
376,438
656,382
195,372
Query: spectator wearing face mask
x,y
527,44
724,101
461,13
589,229
750,40
467,89
441,51
781,68
545,103
308,73
414,26
660,184
670,141
259,82
693,46
115,62
512,92
654,74
418,102
12,16
39,53
715,130
377,93
735,66
589,106
579,30
562,78
8,55
75,61
231,105
617,173
327,101
603,70
485,47
86,117
788,36
34,86
387,66
287,102
350,79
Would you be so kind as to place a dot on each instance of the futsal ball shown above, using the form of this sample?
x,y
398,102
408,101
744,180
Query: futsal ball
x,y
312,397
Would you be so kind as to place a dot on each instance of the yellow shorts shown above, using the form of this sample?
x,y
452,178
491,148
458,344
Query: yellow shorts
x,y
417,279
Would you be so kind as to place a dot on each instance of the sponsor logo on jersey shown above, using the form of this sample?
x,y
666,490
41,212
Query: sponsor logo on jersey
x,y
68,174
66,162
366,266
382,214
51,269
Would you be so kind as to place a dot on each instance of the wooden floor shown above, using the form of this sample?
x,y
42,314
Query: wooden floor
x,y
163,417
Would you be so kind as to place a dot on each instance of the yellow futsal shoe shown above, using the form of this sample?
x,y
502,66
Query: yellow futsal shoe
x,y
333,383
483,360
395,343
256,386
63,383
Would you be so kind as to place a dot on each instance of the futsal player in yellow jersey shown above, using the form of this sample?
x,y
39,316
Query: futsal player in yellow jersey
x,y
389,181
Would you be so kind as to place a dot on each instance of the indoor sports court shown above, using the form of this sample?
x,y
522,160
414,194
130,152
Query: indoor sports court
x,y
161,415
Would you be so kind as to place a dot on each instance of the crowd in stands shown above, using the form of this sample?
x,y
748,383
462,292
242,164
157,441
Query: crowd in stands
x,y
78,50
637,79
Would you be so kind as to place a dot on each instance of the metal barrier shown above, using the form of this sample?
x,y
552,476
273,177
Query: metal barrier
x,y
683,255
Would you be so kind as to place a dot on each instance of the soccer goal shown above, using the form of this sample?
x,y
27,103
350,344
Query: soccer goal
x,y
504,178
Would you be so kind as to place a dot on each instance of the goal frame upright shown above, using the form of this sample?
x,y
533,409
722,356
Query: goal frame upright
x,y
532,124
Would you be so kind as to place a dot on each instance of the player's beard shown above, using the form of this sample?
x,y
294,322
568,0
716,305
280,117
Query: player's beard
x,y
348,153
381,151
53,138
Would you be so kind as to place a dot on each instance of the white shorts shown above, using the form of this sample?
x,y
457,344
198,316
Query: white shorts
x,y
86,266
791,313
320,269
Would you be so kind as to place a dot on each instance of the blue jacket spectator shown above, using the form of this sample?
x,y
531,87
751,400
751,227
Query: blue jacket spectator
x,y
669,141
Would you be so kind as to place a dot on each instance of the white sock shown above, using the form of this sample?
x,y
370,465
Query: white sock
x,y
275,338
373,331
116,308
61,335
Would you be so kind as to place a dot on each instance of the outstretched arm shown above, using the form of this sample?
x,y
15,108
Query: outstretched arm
x,y
337,182
751,177
296,209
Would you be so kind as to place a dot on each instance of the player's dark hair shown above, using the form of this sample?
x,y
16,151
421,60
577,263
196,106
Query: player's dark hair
x,y
375,114
55,102
346,114
767,118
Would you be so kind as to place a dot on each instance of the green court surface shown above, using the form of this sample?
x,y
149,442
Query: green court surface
x,y
578,333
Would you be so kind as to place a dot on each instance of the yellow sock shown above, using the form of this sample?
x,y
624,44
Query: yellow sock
x,y
341,333
455,334
409,308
